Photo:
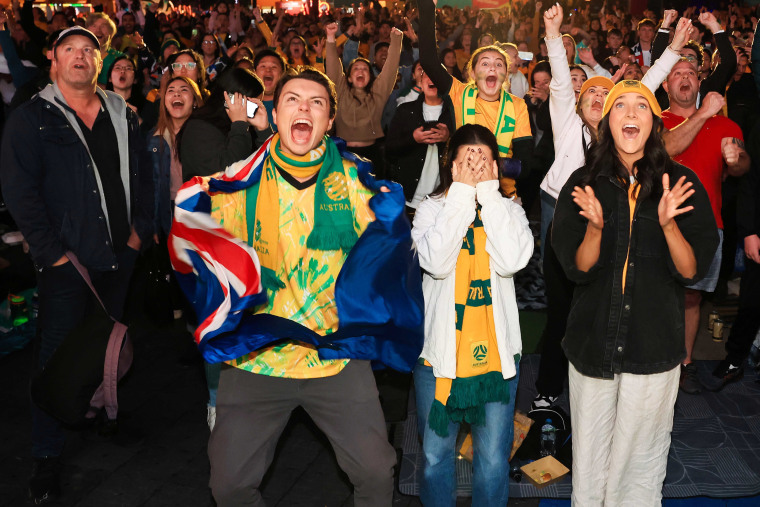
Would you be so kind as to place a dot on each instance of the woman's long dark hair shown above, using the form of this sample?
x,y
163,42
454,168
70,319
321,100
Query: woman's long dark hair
x,y
466,134
603,160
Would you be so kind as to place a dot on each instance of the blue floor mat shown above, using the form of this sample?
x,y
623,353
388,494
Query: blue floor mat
x,y
715,449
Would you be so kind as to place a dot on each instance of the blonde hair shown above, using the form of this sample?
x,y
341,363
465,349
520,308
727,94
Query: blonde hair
x,y
94,16
476,56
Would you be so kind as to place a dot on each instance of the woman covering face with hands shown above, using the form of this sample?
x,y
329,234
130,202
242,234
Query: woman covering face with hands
x,y
474,165
471,239
631,229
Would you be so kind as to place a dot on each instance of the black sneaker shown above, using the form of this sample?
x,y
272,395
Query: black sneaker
x,y
689,382
728,372
44,485
541,401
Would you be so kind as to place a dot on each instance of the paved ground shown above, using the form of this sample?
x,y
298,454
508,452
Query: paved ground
x,y
159,456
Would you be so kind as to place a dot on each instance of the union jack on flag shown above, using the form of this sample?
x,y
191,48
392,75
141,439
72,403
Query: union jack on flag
x,y
221,270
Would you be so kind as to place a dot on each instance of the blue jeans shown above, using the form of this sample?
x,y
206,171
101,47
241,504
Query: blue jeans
x,y
492,445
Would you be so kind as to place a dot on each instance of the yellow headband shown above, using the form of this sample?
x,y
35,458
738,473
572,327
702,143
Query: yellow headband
x,y
596,81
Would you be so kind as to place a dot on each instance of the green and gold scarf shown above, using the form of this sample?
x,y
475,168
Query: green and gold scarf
x,y
333,213
479,379
505,123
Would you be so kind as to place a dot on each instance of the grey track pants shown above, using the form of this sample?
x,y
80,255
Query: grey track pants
x,y
252,411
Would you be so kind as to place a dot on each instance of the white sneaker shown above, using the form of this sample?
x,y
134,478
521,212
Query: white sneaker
x,y
211,417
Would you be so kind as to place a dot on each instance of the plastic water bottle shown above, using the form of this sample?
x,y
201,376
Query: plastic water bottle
x,y
548,439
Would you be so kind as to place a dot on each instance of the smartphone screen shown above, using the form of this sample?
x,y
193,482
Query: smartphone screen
x,y
429,125
251,108
526,56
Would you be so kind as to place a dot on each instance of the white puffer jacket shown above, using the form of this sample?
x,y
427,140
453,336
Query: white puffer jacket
x,y
440,225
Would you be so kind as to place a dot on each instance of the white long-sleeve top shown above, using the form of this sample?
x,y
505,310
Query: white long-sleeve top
x,y
596,70
570,133
440,224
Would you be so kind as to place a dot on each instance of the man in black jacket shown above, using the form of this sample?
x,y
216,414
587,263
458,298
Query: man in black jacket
x,y
71,182
416,142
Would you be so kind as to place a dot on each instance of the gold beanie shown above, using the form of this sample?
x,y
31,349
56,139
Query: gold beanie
x,y
631,86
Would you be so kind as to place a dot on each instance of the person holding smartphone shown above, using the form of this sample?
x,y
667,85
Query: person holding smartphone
x,y
219,133
416,143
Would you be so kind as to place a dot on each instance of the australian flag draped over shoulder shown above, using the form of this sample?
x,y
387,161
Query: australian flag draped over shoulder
x,y
378,292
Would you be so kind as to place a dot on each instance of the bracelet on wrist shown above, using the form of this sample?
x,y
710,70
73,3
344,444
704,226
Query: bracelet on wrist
x,y
552,37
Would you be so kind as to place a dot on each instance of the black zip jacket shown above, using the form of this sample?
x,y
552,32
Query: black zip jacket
x,y
640,331
407,156
747,210
50,186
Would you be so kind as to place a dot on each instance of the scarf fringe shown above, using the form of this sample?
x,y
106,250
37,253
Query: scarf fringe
x,y
325,237
438,419
467,401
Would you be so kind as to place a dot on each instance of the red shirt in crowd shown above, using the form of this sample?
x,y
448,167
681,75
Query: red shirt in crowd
x,y
704,155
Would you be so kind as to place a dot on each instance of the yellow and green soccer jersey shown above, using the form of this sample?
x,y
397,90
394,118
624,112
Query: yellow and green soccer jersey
x,y
309,275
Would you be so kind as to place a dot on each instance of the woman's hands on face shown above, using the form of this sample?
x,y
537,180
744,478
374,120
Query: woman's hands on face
x,y
461,170
591,208
473,167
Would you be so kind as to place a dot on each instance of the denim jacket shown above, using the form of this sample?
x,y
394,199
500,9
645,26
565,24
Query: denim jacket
x,y
52,187
157,159
641,330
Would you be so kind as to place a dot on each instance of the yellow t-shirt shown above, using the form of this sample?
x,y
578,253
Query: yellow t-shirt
x,y
309,275
487,115
487,112
633,194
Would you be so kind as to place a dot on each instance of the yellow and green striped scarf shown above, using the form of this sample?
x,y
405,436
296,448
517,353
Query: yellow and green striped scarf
x,y
479,378
333,213
505,123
